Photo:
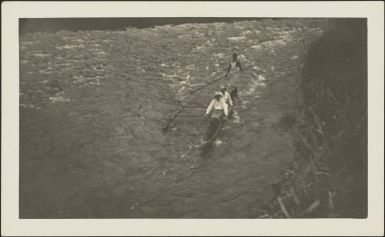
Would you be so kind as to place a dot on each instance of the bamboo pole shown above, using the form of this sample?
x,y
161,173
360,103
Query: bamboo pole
x,y
207,84
182,105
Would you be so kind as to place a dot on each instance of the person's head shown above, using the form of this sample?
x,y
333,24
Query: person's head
x,y
223,88
218,95
235,56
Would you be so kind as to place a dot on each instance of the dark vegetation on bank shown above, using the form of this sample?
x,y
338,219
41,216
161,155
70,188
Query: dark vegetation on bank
x,y
329,175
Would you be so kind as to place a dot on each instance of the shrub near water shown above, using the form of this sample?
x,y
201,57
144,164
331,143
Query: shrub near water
x,y
335,87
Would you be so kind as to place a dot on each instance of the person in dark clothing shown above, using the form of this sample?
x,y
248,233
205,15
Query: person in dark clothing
x,y
234,65
234,93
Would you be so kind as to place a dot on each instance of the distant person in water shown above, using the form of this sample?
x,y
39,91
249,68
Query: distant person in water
x,y
234,65
217,107
233,74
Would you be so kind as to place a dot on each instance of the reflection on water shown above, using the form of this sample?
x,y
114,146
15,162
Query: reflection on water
x,y
207,151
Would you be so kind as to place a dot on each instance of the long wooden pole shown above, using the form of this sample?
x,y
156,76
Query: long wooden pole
x,y
182,107
205,85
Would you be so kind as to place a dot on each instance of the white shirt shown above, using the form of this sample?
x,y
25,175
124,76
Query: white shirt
x,y
227,98
215,104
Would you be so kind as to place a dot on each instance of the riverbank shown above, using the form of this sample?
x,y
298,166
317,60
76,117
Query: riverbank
x,y
329,175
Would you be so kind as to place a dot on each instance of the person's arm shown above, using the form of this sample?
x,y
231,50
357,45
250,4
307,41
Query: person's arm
x,y
240,66
225,108
210,108
229,98
228,70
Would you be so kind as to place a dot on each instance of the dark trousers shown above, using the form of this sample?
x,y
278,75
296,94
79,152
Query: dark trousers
x,y
234,93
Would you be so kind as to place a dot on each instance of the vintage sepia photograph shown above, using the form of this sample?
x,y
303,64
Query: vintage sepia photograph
x,y
122,115
193,118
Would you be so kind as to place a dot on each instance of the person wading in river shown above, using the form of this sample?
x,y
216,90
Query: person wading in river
x,y
233,75
218,107
219,110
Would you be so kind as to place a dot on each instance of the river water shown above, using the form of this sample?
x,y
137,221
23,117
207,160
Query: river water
x,y
93,104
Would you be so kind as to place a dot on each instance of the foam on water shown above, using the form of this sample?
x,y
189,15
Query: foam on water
x,y
74,46
236,118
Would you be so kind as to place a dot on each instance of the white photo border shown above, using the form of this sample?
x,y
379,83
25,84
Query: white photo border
x,y
12,225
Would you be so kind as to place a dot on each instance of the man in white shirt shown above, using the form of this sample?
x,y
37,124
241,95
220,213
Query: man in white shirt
x,y
218,106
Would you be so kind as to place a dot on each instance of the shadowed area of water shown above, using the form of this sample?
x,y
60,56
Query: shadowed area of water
x,y
92,105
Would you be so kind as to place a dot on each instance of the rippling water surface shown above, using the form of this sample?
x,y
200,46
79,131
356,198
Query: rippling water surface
x,y
92,105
